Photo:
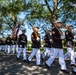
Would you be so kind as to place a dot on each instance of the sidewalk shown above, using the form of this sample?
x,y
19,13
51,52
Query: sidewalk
x,y
10,66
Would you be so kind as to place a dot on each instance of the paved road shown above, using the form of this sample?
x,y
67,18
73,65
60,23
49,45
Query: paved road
x,y
10,66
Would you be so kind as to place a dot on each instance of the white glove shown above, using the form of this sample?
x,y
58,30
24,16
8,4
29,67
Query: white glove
x,y
20,45
37,39
50,40
62,37
22,41
8,40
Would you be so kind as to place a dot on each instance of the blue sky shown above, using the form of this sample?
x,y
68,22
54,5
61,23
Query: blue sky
x,y
28,30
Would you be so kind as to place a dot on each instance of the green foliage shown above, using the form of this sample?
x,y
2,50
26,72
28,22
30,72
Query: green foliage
x,y
9,10
49,10
59,9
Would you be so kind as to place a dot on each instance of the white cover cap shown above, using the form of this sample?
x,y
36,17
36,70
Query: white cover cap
x,y
58,21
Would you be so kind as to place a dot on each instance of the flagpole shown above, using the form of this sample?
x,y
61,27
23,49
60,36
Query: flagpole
x,y
17,33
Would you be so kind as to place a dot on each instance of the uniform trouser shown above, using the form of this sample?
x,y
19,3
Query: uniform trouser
x,y
16,48
59,53
3,47
35,51
24,53
13,48
5,50
46,52
75,54
8,48
70,53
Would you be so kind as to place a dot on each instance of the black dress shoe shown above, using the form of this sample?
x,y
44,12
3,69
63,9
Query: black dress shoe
x,y
74,71
39,65
5,52
65,71
24,61
73,65
48,67
28,61
17,58
42,59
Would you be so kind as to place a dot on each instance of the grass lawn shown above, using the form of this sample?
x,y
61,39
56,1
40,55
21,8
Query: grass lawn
x,y
42,48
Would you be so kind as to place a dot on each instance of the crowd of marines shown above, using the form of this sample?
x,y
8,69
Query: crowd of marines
x,y
53,46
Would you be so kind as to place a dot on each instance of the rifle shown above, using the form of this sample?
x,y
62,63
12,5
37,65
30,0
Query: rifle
x,y
37,36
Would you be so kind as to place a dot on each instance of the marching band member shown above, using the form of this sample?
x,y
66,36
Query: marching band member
x,y
22,43
70,45
36,44
58,49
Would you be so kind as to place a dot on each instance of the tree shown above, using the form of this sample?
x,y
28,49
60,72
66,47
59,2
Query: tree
x,y
53,9
9,11
42,12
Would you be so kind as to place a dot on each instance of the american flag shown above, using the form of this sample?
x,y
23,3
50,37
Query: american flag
x,y
14,29
18,28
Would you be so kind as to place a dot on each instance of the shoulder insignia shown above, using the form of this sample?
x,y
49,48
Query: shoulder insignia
x,y
66,33
32,36
53,32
